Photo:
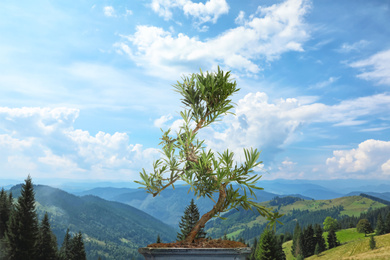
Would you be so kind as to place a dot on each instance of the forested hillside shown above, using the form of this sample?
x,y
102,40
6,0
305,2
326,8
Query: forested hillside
x,y
111,230
248,224
170,204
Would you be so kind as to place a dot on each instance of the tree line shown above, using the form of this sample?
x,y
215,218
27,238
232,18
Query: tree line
x,y
22,236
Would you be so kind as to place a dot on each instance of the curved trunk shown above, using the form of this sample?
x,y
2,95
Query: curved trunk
x,y
219,207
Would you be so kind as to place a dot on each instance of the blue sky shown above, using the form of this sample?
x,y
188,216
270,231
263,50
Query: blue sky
x,y
86,86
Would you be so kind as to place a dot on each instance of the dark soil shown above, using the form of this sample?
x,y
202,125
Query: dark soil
x,y
201,243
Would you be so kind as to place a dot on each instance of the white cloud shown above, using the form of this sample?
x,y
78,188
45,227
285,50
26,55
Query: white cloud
x,y
375,68
370,159
208,12
202,12
325,83
160,122
269,33
240,18
354,46
273,126
46,140
109,11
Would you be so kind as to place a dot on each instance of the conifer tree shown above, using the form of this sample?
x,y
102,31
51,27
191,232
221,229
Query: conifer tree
x,y
332,239
387,223
317,250
22,232
380,226
297,232
77,247
319,238
253,253
47,242
65,251
5,211
309,242
372,243
188,221
158,239
268,248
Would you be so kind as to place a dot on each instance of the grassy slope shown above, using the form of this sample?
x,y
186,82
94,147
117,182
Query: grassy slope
x,y
353,206
354,246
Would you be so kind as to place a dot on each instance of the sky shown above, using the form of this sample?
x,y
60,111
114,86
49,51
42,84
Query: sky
x,y
85,86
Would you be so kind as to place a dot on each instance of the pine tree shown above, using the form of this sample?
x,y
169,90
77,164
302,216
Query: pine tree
x,y
47,242
380,226
319,238
65,251
372,243
77,247
297,232
252,256
158,239
309,242
22,232
5,211
387,224
332,239
317,250
268,248
6,207
188,221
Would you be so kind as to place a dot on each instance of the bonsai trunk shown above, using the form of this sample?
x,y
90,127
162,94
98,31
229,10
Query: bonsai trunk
x,y
219,207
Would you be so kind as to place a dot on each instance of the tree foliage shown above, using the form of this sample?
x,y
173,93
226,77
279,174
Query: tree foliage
x,y
188,221
25,238
206,98
269,248
380,226
372,243
47,242
330,223
22,233
332,239
364,226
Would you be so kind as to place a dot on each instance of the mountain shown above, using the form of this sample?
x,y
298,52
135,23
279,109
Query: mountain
x,y
107,193
169,206
383,195
248,224
111,230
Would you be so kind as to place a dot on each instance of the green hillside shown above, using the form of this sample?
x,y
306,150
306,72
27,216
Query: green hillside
x,y
111,230
248,224
170,204
353,246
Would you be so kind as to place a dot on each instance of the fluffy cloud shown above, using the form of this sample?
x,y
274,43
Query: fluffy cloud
x,y
375,68
109,11
267,34
370,159
272,126
202,12
43,141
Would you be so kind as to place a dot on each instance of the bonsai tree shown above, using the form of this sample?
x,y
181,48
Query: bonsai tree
x,y
206,98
